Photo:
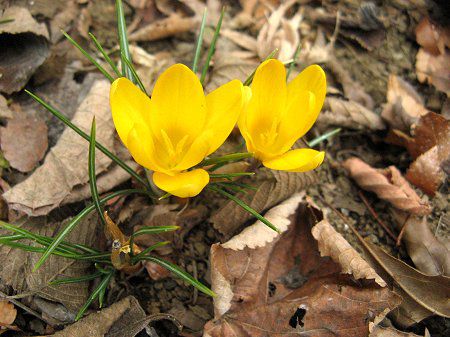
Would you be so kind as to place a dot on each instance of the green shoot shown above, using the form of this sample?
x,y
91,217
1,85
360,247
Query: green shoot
x,y
230,175
244,206
323,137
294,61
74,222
180,273
7,20
147,250
154,230
70,280
99,146
226,159
133,71
97,291
212,47
89,57
249,79
105,55
93,176
123,40
198,48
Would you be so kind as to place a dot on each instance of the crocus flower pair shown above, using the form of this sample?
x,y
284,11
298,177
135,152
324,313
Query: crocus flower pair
x,y
175,129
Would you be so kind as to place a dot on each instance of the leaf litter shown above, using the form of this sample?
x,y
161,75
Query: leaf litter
x,y
374,78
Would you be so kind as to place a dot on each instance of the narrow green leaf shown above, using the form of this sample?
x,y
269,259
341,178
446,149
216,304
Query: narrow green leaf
x,y
226,159
212,47
74,222
105,55
70,280
294,61
230,175
323,137
100,288
7,20
181,274
198,48
123,40
147,250
99,146
93,176
89,57
154,230
245,206
249,79
133,71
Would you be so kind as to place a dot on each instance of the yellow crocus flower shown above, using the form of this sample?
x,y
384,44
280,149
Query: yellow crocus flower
x,y
177,127
278,114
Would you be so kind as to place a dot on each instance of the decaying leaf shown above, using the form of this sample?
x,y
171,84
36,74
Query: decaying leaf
x,y
273,187
65,166
5,111
16,268
429,254
350,114
25,47
404,105
388,184
432,37
284,287
434,69
7,313
24,141
123,318
379,331
332,244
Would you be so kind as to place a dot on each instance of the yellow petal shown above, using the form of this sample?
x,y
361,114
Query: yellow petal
x,y
268,96
224,106
129,105
178,104
198,150
299,160
141,146
311,79
184,184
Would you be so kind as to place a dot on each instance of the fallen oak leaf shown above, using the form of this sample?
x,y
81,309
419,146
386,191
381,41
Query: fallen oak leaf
x,y
387,184
434,69
7,314
379,331
255,299
432,37
24,141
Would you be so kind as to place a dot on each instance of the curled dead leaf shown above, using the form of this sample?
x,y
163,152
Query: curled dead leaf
x,y
432,37
350,114
7,313
25,47
434,69
332,244
387,184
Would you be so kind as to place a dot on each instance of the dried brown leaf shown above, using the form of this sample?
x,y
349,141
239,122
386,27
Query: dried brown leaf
x,y
167,27
7,313
350,114
65,166
434,69
387,184
5,112
429,254
273,187
379,331
123,318
333,244
24,141
404,105
284,287
432,37
24,48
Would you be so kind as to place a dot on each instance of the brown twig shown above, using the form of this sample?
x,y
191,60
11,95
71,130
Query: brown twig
x,y
402,231
375,215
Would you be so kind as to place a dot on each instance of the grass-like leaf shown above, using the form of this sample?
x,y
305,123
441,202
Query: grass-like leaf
x,y
7,20
154,230
97,291
212,47
323,137
198,47
181,274
294,61
244,206
70,280
123,41
105,55
230,175
93,176
141,255
136,76
74,222
83,134
249,79
89,57
226,159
